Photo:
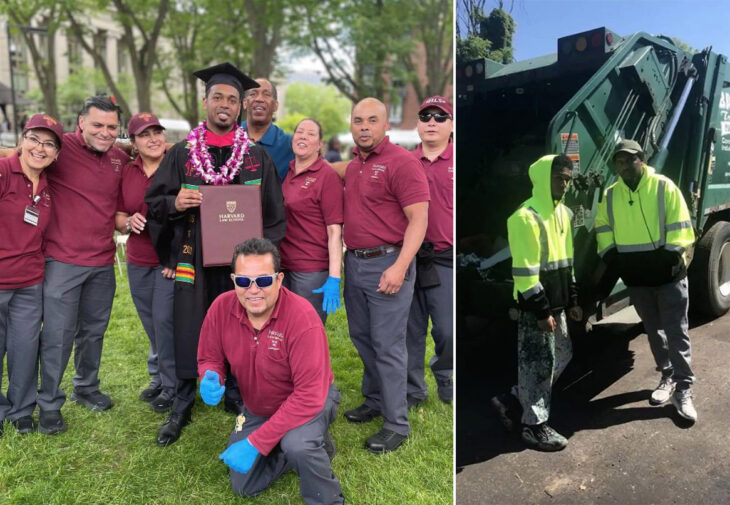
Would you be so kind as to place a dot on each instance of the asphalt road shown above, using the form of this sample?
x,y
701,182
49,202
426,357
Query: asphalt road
x,y
621,450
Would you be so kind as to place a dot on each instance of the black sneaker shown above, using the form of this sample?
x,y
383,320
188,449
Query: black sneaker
x,y
385,441
542,437
24,425
361,414
171,429
445,390
150,392
509,410
96,401
163,402
51,422
329,445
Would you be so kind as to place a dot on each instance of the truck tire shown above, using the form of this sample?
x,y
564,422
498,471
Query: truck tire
x,y
710,279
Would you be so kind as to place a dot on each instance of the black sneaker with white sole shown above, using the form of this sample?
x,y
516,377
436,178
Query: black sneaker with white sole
x,y
542,437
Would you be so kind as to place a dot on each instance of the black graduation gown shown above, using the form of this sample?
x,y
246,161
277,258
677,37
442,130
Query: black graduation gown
x,y
176,238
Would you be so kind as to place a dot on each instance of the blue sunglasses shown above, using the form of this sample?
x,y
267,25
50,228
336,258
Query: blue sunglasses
x,y
262,281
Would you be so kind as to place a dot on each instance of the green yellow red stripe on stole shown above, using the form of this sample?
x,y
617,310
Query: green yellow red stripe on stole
x,y
185,272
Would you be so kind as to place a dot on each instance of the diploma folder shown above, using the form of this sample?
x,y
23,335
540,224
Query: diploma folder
x,y
228,216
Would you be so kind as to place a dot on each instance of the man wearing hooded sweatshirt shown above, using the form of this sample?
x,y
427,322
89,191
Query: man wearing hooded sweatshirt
x,y
643,230
541,243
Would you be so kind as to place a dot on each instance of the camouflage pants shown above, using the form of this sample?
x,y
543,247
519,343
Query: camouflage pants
x,y
541,358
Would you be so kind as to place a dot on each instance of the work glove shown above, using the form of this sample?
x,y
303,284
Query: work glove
x,y
331,290
211,389
240,456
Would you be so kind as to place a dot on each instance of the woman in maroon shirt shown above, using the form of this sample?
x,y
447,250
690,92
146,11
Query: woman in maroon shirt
x,y
150,283
25,209
311,252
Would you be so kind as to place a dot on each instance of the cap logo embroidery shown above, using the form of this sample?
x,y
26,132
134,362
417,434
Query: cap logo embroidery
x,y
49,120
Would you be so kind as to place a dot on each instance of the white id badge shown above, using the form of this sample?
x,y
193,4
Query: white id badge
x,y
31,216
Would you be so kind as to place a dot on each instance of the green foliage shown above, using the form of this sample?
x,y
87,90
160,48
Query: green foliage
x,y
110,458
471,48
290,122
321,102
494,40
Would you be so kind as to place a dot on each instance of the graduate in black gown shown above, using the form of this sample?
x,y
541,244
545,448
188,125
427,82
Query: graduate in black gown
x,y
216,152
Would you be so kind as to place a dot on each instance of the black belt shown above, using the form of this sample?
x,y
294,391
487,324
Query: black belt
x,y
374,252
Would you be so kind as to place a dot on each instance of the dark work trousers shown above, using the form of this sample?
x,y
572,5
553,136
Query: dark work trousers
x,y
152,295
301,449
377,324
20,323
436,302
77,302
302,283
541,358
663,310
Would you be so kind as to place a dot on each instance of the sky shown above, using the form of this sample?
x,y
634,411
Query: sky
x,y
699,23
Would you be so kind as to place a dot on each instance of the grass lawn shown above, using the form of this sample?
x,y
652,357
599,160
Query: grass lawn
x,y
112,458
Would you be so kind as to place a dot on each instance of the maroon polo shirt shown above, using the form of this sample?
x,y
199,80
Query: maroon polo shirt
x,y
85,189
131,199
313,200
376,190
283,370
21,244
440,173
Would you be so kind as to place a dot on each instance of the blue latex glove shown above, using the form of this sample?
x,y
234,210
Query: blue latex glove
x,y
211,389
240,456
331,290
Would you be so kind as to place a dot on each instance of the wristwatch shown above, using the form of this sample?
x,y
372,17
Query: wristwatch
x,y
129,224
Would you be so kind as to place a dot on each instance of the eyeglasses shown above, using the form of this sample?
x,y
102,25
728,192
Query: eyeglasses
x,y
440,117
262,281
35,141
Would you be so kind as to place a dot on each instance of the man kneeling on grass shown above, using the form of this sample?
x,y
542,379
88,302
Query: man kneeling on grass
x,y
277,349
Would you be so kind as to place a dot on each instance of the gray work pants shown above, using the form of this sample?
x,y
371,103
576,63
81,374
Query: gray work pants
x,y
541,358
302,283
663,310
301,449
77,302
436,302
377,324
152,295
20,323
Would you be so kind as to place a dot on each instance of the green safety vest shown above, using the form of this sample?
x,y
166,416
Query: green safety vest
x,y
652,217
540,236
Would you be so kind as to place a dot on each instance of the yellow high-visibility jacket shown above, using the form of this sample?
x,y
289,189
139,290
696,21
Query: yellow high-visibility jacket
x,y
541,243
645,233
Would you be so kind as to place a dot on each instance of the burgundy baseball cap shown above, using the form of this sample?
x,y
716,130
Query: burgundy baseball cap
x,y
47,123
439,102
140,122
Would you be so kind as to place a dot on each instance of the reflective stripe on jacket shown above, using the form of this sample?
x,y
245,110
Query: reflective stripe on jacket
x,y
541,243
646,230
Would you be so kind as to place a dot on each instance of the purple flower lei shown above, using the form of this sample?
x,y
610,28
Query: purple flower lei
x,y
202,162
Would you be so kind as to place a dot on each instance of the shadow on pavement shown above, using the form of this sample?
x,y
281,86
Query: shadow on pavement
x,y
486,364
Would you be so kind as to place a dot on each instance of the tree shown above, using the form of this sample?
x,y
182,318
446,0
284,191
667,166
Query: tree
x,y
486,36
41,14
141,22
323,103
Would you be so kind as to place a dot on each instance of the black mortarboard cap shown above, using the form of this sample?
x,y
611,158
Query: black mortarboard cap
x,y
225,73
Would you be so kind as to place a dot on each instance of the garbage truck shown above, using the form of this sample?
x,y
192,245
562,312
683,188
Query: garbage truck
x,y
597,89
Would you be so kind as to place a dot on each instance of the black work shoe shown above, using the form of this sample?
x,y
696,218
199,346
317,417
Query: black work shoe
x,y
329,445
445,390
51,422
361,414
24,425
233,407
542,437
414,402
150,392
96,401
509,410
170,430
384,441
163,402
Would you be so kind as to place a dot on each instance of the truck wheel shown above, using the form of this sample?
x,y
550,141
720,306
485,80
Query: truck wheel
x,y
710,270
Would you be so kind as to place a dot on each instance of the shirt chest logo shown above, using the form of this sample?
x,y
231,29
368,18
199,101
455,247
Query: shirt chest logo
x,y
116,165
377,171
276,340
308,182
